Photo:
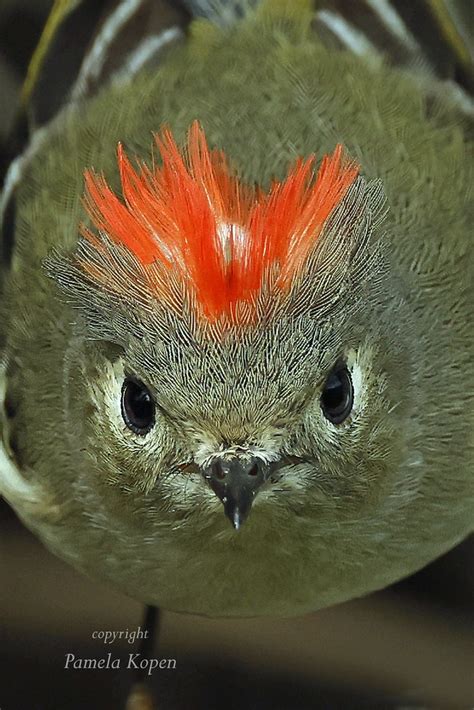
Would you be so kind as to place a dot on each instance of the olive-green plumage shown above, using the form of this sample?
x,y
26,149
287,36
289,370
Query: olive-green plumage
x,y
368,500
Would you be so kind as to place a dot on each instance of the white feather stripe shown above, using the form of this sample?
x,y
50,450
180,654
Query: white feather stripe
x,y
94,60
145,51
13,486
346,33
394,23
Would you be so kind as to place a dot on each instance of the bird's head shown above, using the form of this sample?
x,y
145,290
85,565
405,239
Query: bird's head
x,y
237,336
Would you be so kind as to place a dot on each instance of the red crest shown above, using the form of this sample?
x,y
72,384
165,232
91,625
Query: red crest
x,y
221,236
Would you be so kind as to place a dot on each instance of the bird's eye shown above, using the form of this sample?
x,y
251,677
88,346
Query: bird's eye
x,y
138,408
337,396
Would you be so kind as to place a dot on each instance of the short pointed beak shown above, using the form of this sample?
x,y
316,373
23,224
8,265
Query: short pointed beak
x,y
236,482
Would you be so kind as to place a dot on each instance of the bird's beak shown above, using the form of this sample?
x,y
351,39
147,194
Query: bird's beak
x,y
236,481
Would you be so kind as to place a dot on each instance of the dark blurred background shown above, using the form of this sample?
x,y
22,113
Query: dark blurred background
x,y
409,646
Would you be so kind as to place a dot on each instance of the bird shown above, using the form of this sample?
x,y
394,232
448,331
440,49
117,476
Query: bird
x,y
237,313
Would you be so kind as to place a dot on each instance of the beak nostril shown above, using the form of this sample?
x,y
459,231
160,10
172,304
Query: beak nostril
x,y
218,471
253,470
236,482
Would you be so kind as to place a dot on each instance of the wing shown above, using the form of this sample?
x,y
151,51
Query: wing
x,y
434,36
85,45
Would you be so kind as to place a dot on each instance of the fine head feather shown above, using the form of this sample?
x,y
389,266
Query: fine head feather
x,y
205,229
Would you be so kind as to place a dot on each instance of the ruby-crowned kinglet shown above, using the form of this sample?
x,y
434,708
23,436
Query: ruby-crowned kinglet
x,y
238,378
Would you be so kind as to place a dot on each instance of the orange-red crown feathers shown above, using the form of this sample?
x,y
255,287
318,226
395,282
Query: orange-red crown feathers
x,y
221,236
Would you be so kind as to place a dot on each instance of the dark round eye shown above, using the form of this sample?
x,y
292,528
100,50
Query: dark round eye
x,y
138,408
337,396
